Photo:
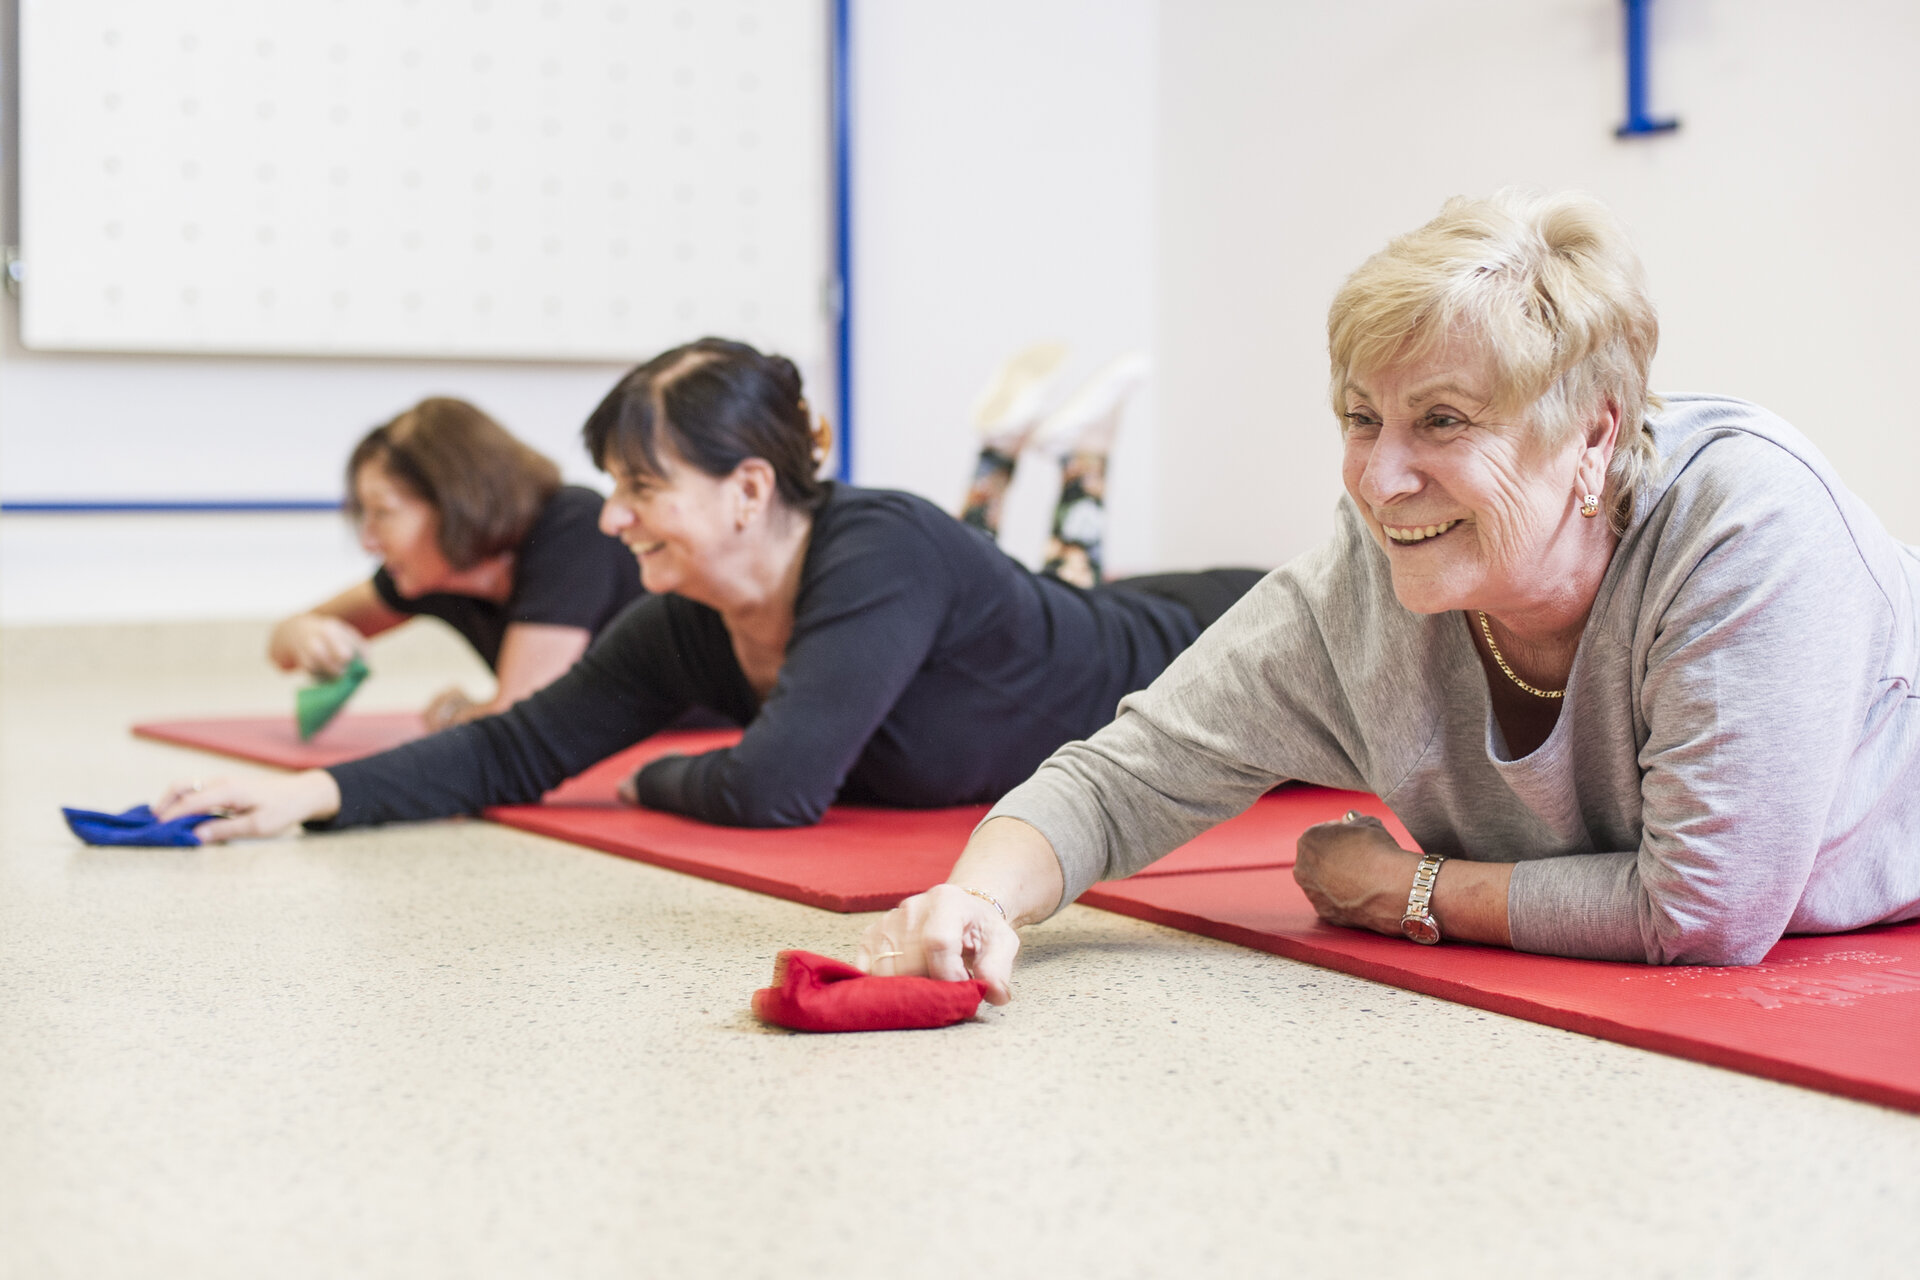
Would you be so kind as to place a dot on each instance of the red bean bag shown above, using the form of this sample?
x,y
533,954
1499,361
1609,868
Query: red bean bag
x,y
815,993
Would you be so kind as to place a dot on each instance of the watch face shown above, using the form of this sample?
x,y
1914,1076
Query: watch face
x,y
1422,929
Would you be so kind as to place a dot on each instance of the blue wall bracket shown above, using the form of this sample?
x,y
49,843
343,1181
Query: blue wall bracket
x,y
1639,122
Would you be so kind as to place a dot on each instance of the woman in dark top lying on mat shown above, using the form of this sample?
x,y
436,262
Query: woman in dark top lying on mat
x,y
875,649
474,528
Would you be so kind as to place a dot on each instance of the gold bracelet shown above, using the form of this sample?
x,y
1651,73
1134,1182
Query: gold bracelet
x,y
985,897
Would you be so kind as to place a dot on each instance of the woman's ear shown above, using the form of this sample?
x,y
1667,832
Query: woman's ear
x,y
1602,435
755,487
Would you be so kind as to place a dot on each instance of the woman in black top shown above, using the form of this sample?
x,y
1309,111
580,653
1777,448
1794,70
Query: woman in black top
x,y
874,648
474,528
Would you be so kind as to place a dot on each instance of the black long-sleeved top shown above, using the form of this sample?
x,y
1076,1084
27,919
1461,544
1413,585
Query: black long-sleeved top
x,y
566,573
925,668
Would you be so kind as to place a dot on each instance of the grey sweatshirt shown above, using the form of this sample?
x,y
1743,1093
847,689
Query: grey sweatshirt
x,y
1737,756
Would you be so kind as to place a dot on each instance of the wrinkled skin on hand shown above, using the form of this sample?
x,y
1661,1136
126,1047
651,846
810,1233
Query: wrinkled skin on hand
x,y
1355,874
944,933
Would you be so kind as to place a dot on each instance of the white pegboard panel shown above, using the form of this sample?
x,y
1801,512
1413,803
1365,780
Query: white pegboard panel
x,y
517,179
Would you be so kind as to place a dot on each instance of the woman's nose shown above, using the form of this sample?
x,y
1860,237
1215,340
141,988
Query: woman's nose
x,y
1390,472
615,516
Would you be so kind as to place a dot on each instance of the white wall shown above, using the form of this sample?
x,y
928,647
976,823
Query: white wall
x,y
113,427
1003,194
94,427
1197,175
1296,138
1004,168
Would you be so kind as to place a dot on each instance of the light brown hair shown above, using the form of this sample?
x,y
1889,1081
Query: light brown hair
x,y
487,486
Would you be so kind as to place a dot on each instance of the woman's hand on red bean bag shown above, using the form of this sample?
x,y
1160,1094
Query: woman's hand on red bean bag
x,y
946,933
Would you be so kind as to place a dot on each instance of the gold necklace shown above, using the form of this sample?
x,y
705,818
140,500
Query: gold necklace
x,y
1487,631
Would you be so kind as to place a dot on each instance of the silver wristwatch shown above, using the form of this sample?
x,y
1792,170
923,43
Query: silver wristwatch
x,y
1419,924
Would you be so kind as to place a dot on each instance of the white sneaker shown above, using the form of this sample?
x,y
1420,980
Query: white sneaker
x,y
1010,403
1090,418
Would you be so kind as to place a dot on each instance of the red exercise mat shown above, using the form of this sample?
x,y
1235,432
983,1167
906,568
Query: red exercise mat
x,y
856,859
853,860
866,859
275,740
1839,1013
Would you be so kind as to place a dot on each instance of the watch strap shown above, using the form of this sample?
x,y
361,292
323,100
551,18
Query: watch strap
x,y
1418,922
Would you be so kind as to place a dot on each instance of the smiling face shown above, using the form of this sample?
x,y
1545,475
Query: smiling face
x,y
1474,508
403,529
682,524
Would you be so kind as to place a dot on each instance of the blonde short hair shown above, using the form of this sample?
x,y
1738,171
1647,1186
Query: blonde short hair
x,y
1549,285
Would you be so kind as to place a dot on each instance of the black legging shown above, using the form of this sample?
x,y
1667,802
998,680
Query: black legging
x,y
1206,593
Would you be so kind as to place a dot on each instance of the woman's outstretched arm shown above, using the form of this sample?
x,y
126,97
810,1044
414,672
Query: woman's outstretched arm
x,y
324,639
1007,877
612,698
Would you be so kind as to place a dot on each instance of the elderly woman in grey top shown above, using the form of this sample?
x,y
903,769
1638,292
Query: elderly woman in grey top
x,y
1638,676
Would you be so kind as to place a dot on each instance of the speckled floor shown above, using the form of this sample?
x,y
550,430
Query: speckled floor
x,y
458,1050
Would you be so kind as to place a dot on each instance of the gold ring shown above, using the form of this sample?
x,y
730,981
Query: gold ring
x,y
1353,815
888,955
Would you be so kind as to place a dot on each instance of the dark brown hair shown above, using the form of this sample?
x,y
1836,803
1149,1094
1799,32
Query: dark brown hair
x,y
717,403
487,486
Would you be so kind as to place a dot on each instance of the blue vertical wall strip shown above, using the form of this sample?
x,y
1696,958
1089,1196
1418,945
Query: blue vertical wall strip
x,y
1638,121
843,231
